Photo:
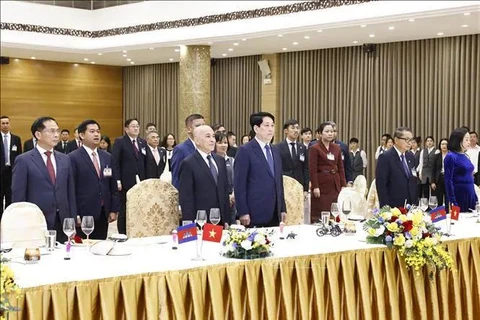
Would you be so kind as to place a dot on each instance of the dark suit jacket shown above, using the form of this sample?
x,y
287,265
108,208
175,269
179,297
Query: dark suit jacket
x,y
437,167
126,164
393,184
32,183
152,170
258,192
15,150
59,147
72,146
91,190
197,188
297,168
232,152
180,152
28,145
347,165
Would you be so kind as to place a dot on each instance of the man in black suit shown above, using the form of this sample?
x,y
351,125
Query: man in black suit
x,y
29,144
232,144
63,143
75,143
155,158
294,155
203,183
11,147
396,178
128,156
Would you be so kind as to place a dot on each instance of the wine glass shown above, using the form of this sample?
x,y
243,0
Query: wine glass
x,y
186,222
87,226
423,204
334,210
215,216
201,218
68,227
346,207
433,202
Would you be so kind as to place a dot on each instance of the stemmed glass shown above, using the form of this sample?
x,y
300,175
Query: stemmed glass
x,y
215,216
68,229
346,207
334,210
201,218
433,202
87,226
423,204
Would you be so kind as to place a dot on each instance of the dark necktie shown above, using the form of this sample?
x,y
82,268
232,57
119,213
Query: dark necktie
x,y
405,166
213,170
294,151
135,148
64,146
270,159
51,171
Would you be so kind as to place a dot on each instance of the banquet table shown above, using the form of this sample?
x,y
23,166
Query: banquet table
x,y
308,277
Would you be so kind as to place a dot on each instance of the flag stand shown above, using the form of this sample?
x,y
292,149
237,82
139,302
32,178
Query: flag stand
x,y
449,222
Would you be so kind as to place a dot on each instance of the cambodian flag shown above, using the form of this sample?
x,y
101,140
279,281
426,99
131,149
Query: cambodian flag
x,y
438,214
187,233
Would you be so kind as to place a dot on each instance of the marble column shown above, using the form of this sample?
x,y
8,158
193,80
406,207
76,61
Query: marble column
x,y
194,87
271,93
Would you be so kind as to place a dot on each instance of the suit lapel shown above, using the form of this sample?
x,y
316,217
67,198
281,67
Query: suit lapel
x,y
128,142
38,160
399,161
89,161
261,155
204,166
60,163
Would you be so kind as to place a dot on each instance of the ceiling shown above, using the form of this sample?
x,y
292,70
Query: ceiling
x,y
386,31
85,4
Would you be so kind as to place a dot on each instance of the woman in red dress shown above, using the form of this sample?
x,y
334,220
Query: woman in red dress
x,y
327,175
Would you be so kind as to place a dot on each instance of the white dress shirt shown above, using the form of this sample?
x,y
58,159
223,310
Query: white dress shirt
x,y
44,157
473,155
153,152
90,151
264,150
420,162
363,155
9,142
290,146
204,156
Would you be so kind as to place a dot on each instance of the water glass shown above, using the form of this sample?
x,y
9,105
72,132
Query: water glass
x,y
68,227
325,217
87,225
201,218
346,207
433,202
214,216
50,239
423,204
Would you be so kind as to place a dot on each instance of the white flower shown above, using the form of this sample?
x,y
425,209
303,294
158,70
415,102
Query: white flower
x,y
260,239
434,241
427,219
246,244
230,248
409,243
379,231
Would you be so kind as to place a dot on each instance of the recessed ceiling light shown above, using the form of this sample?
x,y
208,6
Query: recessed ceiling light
x,y
363,26
280,35
235,43
284,49
466,14
295,43
391,28
100,53
85,59
319,30
306,37
464,26
132,62
129,59
171,59
371,35
355,42
440,34
224,54
75,64
411,20
124,51
177,50
93,62
230,49
16,60
244,39
151,48
33,58
124,55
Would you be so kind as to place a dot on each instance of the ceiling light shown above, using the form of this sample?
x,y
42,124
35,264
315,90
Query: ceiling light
x,y
295,43
177,50
391,28
75,64
464,26
85,59
284,49
244,39
93,62
171,59
132,62
124,55
466,14
129,59
151,48
124,51
411,20
280,35
16,60
306,37
319,30
235,44
363,26
371,35
33,58
230,49
224,54
100,53
440,34
355,42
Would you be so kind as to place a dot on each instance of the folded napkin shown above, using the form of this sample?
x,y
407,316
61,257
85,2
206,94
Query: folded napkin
x,y
110,248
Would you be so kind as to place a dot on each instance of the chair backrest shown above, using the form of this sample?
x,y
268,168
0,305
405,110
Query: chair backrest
x,y
372,199
152,209
358,202
294,201
23,225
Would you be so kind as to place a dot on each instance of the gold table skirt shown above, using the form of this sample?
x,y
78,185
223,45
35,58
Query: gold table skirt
x,y
361,284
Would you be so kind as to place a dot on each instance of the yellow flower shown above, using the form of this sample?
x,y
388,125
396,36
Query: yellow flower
x,y
395,212
417,218
414,231
372,231
399,240
402,217
393,227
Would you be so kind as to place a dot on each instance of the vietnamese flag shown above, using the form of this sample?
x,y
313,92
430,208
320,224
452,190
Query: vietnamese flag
x,y
455,213
187,233
212,232
438,214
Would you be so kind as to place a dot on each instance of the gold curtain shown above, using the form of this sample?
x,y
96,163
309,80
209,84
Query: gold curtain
x,y
236,92
431,86
363,284
150,94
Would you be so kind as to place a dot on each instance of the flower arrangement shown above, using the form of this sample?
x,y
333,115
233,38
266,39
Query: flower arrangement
x,y
248,244
7,287
413,234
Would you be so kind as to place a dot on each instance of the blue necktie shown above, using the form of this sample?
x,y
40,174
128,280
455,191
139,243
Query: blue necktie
x,y
270,159
405,166
6,150
213,170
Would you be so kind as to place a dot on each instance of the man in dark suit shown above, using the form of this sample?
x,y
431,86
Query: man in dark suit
x,y
258,181
185,148
156,157
232,144
203,183
75,143
29,144
95,187
294,155
128,156
395,174
63,143
45,177
10,148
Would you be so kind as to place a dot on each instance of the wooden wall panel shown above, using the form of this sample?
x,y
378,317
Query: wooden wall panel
x,y
70,94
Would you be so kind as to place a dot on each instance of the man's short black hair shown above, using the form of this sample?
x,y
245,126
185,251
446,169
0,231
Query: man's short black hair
x,y
289,123
83,126
305,130
150,124
127,123
192,117
256,119
39,124
355,140
65,130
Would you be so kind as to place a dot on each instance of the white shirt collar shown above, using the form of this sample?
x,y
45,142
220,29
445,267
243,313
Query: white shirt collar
x,y
90,151
152,148
398,151
203,154
261,143
289,141
7,134
356,150
41,150
193,142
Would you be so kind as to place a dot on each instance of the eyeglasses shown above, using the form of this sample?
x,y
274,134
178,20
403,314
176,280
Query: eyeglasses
x,y
407,140
52,131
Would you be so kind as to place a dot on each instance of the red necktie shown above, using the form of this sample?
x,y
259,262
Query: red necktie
x,y
135,147
51,171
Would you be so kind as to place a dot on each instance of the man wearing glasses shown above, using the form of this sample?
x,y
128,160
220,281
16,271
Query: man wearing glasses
x,y
396,178
44,177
